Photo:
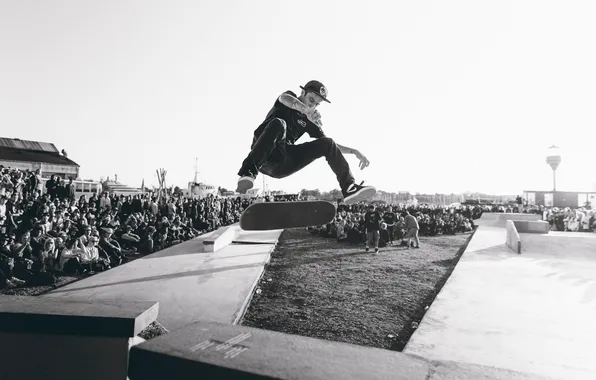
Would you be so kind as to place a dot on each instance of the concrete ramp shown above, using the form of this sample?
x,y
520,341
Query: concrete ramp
x,y
532,312
189,283
497,219
563,245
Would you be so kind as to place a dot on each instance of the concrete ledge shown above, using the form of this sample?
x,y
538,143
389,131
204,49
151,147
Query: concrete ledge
x,y
532,226
513,239
57,339
222,237
217,351
514,216
45,315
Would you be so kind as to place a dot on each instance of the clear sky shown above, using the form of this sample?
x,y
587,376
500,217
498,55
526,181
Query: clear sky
x,y
441,96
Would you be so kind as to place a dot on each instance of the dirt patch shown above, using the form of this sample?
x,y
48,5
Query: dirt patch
x,y
39,290
154,330
320,288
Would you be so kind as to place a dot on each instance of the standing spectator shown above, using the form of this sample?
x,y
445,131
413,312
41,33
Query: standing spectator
x,y
51,186
372,224
520,204
412,229
70,190
104,202
136,205
390,218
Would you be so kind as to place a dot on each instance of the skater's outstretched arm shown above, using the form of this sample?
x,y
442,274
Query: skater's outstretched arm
x,y
364,162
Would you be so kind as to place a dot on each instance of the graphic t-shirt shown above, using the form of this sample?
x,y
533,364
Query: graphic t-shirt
x,y
297,124
389,217
372,220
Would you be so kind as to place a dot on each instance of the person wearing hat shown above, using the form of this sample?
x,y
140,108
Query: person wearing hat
x,y
274,152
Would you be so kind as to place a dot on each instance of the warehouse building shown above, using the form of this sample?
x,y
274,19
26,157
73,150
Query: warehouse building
x,y
34,155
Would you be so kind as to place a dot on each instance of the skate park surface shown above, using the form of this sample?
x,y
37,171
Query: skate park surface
x,y
501,315
532,312
190,283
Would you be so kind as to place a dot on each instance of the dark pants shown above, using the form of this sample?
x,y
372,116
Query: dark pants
x,y
372,238
273,157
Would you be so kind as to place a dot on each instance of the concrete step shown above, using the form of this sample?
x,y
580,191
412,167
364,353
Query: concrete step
x,y
77,330
221,238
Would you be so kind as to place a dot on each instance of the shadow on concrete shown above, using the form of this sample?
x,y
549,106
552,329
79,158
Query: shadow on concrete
x,y
200,272
213,258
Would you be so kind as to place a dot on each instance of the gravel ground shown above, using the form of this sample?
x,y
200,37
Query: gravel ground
x,y
318,287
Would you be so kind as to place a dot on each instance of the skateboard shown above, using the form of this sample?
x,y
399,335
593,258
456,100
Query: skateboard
x,y
280,215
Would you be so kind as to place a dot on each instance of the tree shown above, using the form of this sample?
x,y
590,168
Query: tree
x,y
314,193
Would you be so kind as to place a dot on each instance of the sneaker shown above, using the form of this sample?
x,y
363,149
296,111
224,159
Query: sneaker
x,y
246,182
358,193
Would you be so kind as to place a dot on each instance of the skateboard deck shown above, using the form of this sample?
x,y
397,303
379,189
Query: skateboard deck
x,y
279,215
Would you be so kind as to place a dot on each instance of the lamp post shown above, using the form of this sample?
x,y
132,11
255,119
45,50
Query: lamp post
x,y
553,158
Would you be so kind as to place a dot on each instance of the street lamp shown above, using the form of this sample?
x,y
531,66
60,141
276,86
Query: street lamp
x,y
553,158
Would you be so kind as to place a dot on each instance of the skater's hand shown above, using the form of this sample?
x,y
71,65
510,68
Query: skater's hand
x,y
314,116
364,162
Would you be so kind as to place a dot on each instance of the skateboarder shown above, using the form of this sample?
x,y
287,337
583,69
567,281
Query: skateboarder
x,y
274,153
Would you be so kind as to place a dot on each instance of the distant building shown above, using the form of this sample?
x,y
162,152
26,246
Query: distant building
x,y
115,187
33,155
201,190
571,199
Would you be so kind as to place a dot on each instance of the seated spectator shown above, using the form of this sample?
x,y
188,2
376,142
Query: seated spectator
x,y
111,247
89,257
146,244
49,223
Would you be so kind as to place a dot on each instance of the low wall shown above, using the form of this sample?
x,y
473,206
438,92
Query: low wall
x,y
224,236
513,238
513,216
532,226
57,339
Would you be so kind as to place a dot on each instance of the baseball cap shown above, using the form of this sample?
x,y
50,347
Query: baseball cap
x,y
316,87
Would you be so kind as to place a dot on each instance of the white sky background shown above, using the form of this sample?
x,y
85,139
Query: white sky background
x,y
441,96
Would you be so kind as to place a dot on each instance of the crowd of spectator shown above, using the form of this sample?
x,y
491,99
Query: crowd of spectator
x,y
47,232
349,224
581,219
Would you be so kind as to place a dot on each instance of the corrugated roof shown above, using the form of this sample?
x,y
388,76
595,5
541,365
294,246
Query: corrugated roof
x,y
28,145
12,154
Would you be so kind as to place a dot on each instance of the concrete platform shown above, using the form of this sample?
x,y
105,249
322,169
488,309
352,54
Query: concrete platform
x,y
217,351
532,312
189,283
50,330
